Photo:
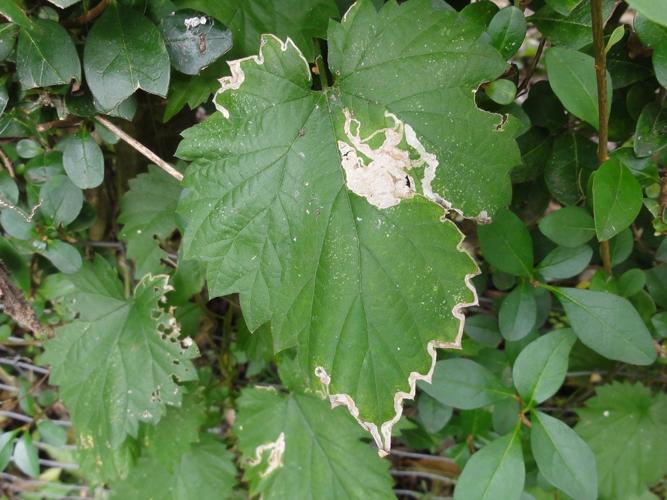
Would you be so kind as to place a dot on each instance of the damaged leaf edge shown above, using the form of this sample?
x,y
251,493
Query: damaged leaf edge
x,y
381,435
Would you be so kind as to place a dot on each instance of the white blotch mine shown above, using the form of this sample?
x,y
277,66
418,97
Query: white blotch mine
x,y
384,181
237,77
276,449
193,22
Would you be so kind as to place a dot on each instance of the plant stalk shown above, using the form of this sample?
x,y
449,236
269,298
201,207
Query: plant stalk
x,y
603,119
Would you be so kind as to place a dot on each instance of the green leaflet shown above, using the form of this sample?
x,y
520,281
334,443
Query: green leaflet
x,y
293,446
326,249
116,364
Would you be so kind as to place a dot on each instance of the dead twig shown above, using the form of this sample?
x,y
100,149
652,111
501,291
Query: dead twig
x,y
141,148
17,307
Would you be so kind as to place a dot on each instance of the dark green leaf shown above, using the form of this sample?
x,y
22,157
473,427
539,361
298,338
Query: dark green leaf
x,y
565,262
566,173
432,413
83,160
124,52
61,200
540,368
507,30
651,132
609,325
631,282
496,471
464,384
7,440
620,246
194,40
656,280
569,226
307,20
518,313
572,78
571,30
563,7
617,199
506,244
46,56
563,457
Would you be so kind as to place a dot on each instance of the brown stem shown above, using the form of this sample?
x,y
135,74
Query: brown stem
x,y
17,307
7,163
88,16
141,149
533,66
601,79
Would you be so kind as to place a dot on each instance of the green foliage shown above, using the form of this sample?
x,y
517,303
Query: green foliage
x,y
391,224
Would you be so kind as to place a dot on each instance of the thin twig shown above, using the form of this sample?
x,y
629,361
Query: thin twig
x,y
24,418
421,456
24,366
7,163
603,126
533,66
141,148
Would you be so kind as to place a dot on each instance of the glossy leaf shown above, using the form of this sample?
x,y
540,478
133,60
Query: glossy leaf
x,y
507,30
651,131
608,324
124,52
194,40
506,244
8,34
540,368
617,199
248,20
572,160
25,456
563,457
572,78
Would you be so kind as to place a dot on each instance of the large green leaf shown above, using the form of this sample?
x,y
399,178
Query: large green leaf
x,y
83,160
300,20
117,364
608,324
496,471
507,30
46,55
625,427
312,237
563,458
148,212
294,446
204,472
124,52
